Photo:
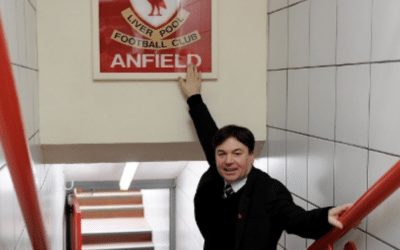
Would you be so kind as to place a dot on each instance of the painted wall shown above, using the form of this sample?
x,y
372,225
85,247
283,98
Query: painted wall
x,y
19,20
156,211
188,235
333,107
76,110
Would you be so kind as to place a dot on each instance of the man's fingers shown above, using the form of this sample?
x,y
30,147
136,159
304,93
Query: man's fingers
x,y
190,71
199,75
181,81
335,213
341,209
337,224
344,208
194,69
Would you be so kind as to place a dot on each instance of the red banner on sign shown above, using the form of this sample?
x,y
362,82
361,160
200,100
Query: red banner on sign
x,y
154,36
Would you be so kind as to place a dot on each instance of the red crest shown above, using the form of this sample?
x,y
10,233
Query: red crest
x,y
155,12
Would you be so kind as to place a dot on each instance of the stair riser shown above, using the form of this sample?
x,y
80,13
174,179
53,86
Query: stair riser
x,y
134,248
112,214
110,201
109,239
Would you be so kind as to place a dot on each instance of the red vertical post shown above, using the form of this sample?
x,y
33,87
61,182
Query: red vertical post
x,y
16,150
76,225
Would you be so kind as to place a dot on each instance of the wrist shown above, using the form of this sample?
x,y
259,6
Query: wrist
x,y
193,100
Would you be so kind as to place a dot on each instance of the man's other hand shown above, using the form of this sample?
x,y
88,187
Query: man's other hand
x,y
335,213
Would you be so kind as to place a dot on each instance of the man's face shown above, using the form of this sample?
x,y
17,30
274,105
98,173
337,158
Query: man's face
x,y
233,160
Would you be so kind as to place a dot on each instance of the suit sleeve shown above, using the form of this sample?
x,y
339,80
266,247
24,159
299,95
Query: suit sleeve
x,y
204,124
311,224
205,129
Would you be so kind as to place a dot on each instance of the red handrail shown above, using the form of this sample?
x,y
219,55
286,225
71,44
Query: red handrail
x,y
76,225
16,150
375,195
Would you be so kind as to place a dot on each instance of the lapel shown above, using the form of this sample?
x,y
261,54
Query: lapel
x,y
243,208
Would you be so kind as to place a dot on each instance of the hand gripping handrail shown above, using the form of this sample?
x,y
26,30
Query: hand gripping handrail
x,y
16,151
375,195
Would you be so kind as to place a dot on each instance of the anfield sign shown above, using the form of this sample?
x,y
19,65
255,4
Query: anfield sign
x,y
153,39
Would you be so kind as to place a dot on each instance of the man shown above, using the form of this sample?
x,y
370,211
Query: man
x,y
238,206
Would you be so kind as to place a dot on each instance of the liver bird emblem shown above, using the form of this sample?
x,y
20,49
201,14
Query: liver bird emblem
x,y
156,4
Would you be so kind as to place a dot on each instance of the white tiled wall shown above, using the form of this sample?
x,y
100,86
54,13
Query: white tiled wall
x,y
352,99
322,32
277,154
321,102
320,171
277,99
278,40
187,234
296,163
157,204
353,31
384,118
297,110
385,35
333,107
19,21
299,38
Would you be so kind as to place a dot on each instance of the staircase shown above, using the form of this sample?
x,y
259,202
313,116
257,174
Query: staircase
x,y
114,220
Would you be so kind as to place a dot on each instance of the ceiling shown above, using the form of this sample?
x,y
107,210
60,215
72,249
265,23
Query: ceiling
x,y
113,171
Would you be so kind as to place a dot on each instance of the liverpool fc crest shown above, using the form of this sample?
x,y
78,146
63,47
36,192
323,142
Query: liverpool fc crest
x,y
155,12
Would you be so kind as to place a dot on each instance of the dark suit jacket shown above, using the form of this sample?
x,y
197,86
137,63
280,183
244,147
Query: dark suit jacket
x,y
266,207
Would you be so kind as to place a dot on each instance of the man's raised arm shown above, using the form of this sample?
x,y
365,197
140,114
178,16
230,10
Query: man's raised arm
x,y
203,122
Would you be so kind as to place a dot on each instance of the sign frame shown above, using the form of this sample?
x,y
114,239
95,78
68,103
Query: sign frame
x,y
119,76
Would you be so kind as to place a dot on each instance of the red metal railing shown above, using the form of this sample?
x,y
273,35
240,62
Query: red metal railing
x,y
374,196
76,225
16,150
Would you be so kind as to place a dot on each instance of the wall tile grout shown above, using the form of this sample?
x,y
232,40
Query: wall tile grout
x,y
378,239
25,67
34,134
334,141
33,7
334,131
308,202
286,7
336,65
3,167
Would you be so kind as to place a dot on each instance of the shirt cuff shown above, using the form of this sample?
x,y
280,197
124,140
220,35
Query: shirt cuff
x,y
194,100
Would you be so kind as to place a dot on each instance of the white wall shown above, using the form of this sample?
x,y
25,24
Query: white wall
x,y
19,20
333,107
157,212
188,236
76,110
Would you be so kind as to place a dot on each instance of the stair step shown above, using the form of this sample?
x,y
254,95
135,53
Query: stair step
x,y
109,198
78,191
114,225
120,246
112,211
117,238
116,230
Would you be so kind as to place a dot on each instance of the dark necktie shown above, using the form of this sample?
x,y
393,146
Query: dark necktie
x,y
228,191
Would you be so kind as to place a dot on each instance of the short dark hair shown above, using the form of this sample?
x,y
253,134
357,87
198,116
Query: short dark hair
x,y
242,134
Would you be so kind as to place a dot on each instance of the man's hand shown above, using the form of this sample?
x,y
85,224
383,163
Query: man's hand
x,y
335,213
192,84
